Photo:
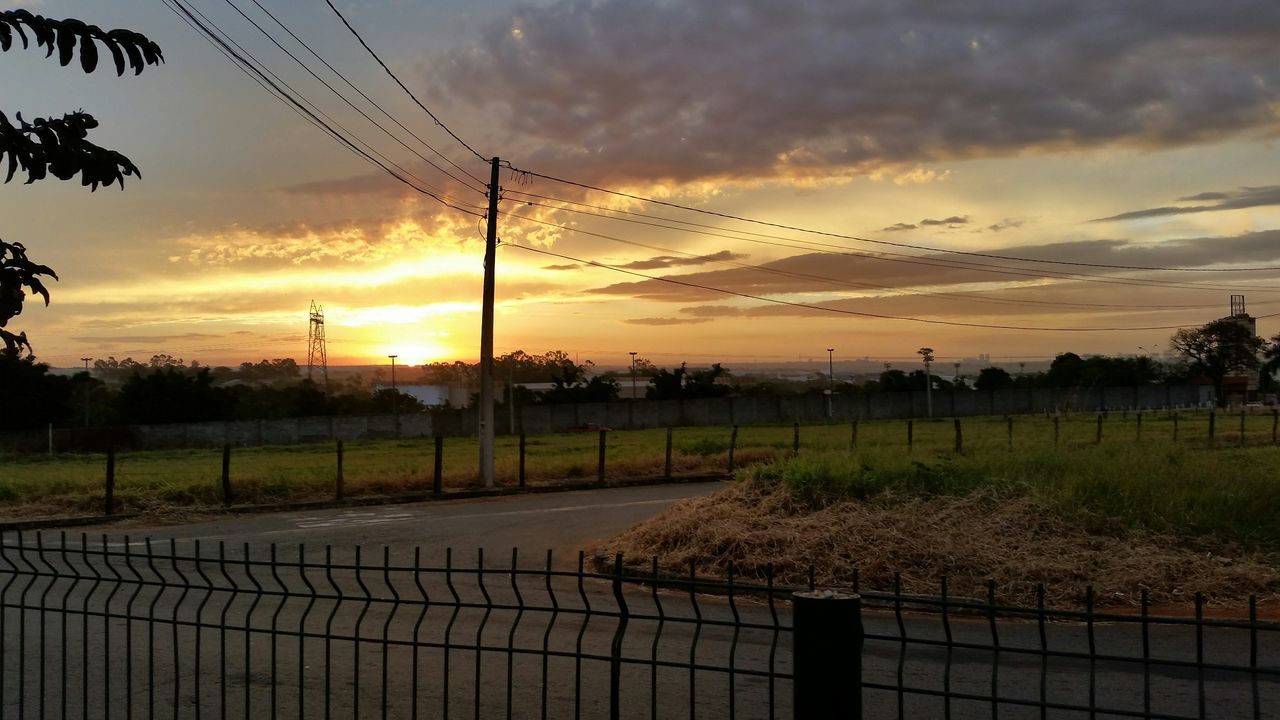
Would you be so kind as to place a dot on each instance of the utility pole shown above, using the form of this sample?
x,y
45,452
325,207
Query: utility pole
x,y
633,375
486,333
511,399
395,395
927,354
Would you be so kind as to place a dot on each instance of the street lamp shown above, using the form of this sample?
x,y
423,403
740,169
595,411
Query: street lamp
x,y
633,374
87,386
395,395
927,354
831,381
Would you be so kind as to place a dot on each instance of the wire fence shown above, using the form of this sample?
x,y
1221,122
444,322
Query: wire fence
x,y
112,627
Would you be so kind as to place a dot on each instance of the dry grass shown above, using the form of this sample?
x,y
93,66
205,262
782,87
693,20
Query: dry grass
x,y
1018,542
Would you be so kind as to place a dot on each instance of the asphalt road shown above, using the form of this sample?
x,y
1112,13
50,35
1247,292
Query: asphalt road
x,y
147,644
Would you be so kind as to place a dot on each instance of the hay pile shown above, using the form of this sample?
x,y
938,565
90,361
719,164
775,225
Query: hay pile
x,y
1017,542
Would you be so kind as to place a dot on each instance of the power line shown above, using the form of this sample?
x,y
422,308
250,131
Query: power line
x,y
407,91
927,248
978,298
294,101
335,71
840,311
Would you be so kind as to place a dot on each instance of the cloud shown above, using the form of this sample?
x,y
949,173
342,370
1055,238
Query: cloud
x,y
900,227
1006,224
948,222
661,321
1245,197
828,88
662,262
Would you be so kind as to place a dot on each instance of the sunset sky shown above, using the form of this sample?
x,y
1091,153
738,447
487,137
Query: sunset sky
x,y
1080,131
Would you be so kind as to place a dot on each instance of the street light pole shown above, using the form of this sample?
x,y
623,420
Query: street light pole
x,y
831,381
633,375
927,354
395,395
957,380
87,387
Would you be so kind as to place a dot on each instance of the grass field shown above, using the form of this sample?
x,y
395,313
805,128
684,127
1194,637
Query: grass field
x,y
1125,476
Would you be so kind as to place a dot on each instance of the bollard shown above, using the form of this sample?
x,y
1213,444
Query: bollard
x,y
108,502
795,439
733,444
911,431
337,480
959,438
520,478
853,436
600,460
437,475
226,475
666,472
827,639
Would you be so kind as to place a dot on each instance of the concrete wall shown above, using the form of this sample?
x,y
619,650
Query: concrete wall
x,y
638,414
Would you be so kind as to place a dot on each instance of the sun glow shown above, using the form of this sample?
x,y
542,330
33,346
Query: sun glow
x,y
412,352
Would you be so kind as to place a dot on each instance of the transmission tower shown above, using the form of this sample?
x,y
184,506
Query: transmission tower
x,y
316,353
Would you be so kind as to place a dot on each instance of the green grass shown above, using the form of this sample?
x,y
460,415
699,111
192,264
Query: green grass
x,y
1155,483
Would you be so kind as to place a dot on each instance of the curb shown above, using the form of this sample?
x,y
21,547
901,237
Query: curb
x,y
460,494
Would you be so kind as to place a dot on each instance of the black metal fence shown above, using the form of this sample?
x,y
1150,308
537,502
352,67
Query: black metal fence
x,y
111,627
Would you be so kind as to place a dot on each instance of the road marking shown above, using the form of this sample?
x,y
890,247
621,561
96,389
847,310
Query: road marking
x,y
342,521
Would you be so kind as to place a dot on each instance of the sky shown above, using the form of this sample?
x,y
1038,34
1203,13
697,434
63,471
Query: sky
x,y
876,138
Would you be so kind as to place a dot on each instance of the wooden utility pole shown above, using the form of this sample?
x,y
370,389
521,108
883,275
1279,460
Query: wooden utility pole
x,y
486,334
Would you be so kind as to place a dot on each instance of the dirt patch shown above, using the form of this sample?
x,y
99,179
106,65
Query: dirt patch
x,y
1018,542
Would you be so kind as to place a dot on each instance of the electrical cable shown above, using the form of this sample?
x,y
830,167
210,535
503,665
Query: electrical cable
x,y
927,248
407,91
840,311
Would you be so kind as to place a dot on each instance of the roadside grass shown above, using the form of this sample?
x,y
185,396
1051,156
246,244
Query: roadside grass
x,y
1102,477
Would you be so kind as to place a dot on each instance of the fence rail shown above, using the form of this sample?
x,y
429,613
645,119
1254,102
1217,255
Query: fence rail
x,y
113,627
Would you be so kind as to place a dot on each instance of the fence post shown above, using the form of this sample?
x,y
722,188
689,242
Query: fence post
x,y
853,436
1057,430
437,474
1009,421
520,480
1242,416
733,445
666,472
338,479
1213,428
1175,426
109,503
1139,425
615,648
1097,438
959,437
226,475
826,661
911,431
600,461
1275,424
795,438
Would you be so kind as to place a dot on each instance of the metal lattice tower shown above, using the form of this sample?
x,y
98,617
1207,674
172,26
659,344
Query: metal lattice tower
x,y
316,353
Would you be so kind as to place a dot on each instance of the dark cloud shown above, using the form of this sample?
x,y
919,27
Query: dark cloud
x,y
1245,197
659,321
1006,224
949,222
663,261
899,227
837,272
651,89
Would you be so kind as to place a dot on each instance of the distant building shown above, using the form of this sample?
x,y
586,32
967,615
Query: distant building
x,y
431,395
1243,383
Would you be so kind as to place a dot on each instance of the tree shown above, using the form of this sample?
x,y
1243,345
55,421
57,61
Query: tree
x,y
1271,362
58,146
1218,349
993,378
